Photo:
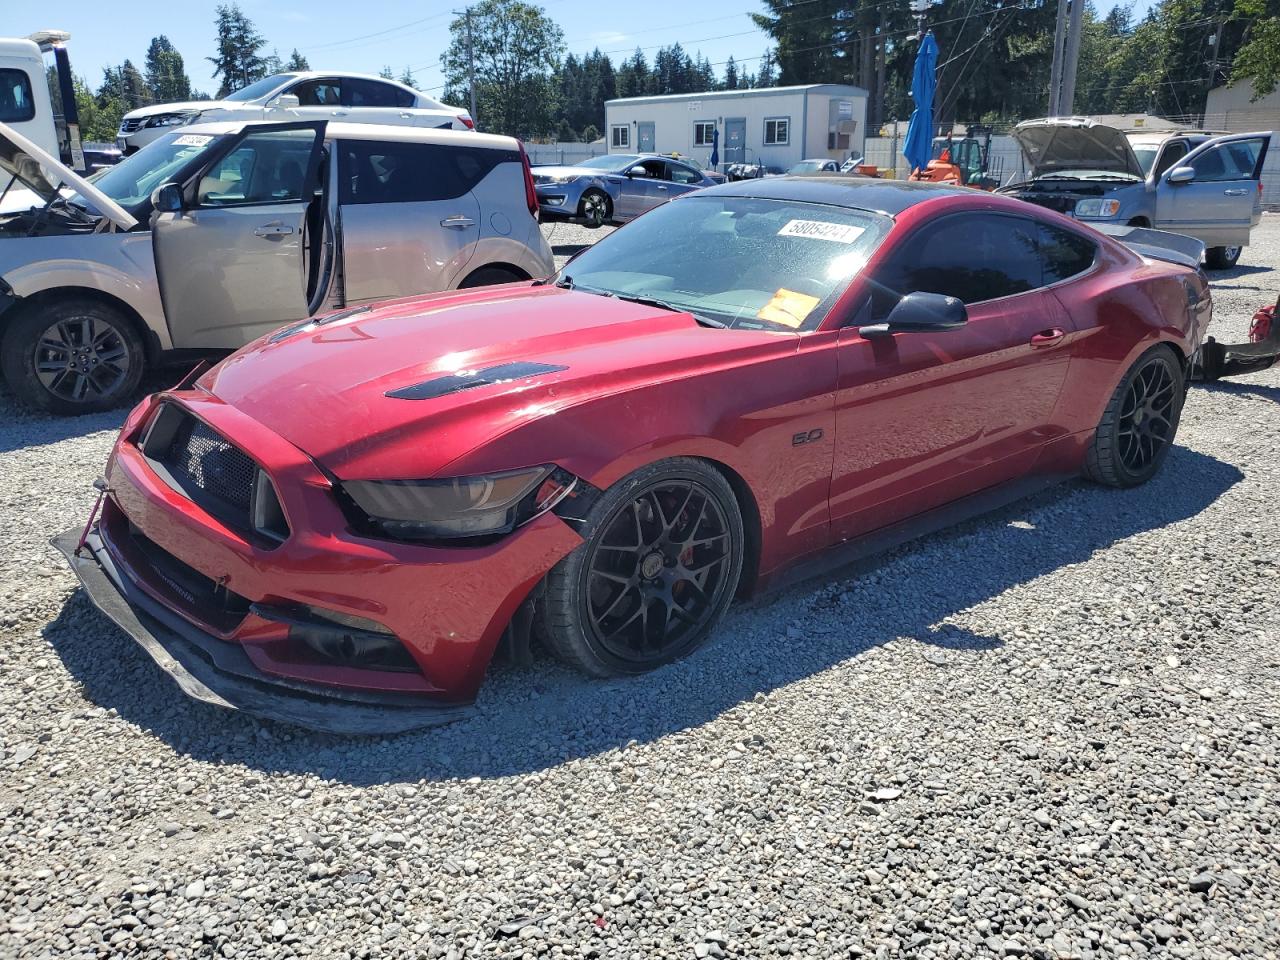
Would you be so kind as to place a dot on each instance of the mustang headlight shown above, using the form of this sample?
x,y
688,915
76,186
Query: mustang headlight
x,y
1097,207
479,506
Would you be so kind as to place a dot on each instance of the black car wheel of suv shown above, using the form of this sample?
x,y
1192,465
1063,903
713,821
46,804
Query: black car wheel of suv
x,y
72,356
660,564
1222,258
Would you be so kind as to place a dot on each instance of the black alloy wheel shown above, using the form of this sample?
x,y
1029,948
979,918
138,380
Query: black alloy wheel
x,y
1140,422
82,359
660,563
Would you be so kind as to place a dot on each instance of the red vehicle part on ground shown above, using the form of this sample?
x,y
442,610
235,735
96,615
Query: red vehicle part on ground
x,y
265,530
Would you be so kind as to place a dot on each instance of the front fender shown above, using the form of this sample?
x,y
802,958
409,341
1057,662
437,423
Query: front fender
x,y
121,266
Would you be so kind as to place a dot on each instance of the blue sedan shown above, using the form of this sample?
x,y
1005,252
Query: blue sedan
x,y
613,188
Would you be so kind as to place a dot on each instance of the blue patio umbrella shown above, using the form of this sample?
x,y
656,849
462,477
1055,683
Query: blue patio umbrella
x,y
918,145
715,148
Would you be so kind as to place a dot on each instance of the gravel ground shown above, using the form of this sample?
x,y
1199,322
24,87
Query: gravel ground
x,y
1048,733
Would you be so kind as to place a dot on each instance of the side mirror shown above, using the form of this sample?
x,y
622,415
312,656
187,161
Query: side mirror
x,y
167,198
286,101
920,313
1181,175
637,172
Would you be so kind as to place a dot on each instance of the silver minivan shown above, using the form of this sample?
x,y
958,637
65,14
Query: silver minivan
x,y
217,233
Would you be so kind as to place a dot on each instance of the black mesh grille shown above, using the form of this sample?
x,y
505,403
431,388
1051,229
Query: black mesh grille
x,y
128,126
202,462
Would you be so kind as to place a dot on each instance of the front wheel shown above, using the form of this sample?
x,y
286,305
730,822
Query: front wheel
x,y
595,209
72,356
659,565
1222,258
1140,421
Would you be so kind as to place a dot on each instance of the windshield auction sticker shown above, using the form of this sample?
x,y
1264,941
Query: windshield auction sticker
x,y
192,140
821,230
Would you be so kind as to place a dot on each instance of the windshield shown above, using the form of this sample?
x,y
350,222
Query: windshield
x,y
260,88
807,166
610,161
131,181
738,261
1146,156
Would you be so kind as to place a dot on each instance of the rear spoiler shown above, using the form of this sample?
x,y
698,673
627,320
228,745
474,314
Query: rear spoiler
x,y
1156,244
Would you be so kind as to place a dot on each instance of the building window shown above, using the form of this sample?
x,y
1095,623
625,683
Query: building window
x,y
704,132
621,136
777,131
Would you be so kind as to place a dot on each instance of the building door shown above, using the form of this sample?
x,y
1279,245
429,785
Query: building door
x,y
644,137
735,140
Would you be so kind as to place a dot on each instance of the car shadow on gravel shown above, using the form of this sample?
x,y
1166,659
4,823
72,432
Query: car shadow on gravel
x,y
533,718
1235,388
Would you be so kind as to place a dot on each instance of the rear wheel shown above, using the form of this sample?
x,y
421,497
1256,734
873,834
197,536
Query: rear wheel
x,y
595,209
72,356
1222,258
660,563
488,276
1140,422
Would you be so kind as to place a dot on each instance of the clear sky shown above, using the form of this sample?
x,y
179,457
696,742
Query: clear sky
x,y
365,35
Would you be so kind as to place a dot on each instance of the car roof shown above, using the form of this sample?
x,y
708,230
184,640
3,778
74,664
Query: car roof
x,y
861,193
370,131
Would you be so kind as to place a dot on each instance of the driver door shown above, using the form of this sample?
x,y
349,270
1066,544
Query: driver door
x,y
232,263
1222,203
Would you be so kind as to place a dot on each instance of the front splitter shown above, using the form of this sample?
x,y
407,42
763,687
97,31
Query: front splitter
x,y
220,673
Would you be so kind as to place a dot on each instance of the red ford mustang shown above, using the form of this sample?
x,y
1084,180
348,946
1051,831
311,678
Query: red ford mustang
x,y
338,525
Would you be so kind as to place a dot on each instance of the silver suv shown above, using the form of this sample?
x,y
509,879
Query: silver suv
x,y
217,233
1204,186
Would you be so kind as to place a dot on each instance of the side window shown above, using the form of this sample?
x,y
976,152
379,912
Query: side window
x,y
375,171
1169,156
368,93
656,169
972,257
326,92
17,105
682,174
1237,160
268,167
1064,253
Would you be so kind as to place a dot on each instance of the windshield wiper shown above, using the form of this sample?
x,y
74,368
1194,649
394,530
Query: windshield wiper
x,y
664,305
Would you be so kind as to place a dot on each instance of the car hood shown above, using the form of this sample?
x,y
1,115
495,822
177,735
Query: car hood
x,y
554,171
187,106
325,387
45,176
1065,143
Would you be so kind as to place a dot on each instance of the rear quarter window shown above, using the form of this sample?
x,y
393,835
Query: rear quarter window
x,y
1064,254
17,105
405,172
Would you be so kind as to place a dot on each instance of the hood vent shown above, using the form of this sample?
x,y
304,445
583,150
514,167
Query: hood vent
x,y
467,380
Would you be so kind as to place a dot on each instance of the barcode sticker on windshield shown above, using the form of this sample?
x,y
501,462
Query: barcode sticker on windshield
x,y
192,140
821,230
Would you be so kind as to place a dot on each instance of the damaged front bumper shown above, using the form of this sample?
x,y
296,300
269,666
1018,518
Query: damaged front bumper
x,y
220,673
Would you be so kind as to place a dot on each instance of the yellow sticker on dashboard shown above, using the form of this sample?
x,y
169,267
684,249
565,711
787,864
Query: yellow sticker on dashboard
x,y
788,307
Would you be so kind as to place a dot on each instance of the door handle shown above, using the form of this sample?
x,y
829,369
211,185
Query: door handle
x,y
338,113
1047,338
1234,192
458,223
661,187
406,115
272,230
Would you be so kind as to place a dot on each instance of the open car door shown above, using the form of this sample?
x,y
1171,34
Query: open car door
x,y
232,263
1220,203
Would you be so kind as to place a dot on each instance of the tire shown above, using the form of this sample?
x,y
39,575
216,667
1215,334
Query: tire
x,y
488,276
595,209
1222,258
72,356
604,600
1140,422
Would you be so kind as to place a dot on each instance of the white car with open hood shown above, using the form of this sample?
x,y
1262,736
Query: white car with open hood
x,y
217,233
303,95
1210,190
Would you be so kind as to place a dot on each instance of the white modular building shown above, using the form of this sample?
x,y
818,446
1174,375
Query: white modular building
x,y
774,126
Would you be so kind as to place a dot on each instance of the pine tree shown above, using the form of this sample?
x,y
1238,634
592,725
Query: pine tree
x,y
165,72
238,62
633,76
407,78
386,73
297,62
730,74
766,75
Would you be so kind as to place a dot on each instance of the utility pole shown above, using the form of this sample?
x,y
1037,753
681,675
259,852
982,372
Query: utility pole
x,y
471,70
1071,58
1055,72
